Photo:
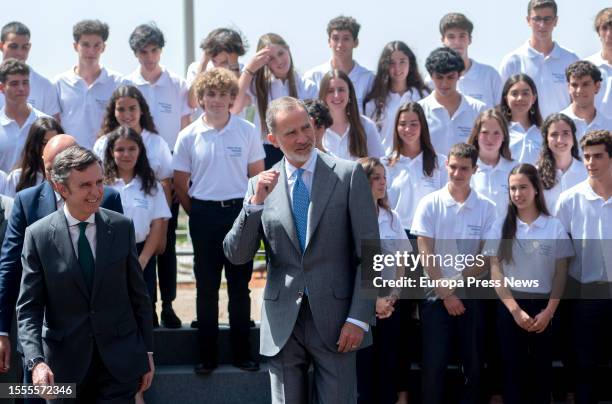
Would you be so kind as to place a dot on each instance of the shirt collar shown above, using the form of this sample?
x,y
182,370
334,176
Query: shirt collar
x,y
73,78
555,53
203,127
589,193
162,81
449,201
72,221
309,166
5,120
540,222
501,164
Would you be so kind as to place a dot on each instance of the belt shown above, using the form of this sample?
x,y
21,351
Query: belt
x,y
224,204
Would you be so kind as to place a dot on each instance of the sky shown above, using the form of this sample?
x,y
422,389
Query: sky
x,y
500,27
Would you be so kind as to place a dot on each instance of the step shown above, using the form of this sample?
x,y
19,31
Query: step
x,y
226,385
180,346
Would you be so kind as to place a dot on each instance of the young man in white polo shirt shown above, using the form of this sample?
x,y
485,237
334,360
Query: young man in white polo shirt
x,y
452,220
584,83
168,98
342,33
541,58
84,90
16,116
586,213
603,59
478,80
213,160
15,43
450,114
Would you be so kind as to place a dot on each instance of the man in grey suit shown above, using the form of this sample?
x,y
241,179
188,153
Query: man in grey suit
x,y
84,315
313,211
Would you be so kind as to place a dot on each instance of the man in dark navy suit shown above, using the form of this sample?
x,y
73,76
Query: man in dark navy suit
x,y
31,205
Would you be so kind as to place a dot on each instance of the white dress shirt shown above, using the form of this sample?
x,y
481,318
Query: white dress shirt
x,y
90,231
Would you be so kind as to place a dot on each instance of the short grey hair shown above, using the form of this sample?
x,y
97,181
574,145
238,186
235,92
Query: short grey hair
x,y
73,158
282,104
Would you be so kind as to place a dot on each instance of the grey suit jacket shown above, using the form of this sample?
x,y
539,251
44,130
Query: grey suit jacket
x,y
341,214
61,320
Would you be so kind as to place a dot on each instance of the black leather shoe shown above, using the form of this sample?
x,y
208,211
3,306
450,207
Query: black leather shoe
x,y
195,324
248,365
169,319
204,368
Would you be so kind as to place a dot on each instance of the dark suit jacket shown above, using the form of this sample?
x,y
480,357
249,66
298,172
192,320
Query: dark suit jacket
x,y
30,205
61,320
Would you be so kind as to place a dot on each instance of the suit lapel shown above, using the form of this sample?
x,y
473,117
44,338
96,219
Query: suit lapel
x,y
104,242
61,237
47,203
322,188
283,203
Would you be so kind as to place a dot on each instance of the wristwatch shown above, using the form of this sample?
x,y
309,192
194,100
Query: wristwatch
x,y
35,361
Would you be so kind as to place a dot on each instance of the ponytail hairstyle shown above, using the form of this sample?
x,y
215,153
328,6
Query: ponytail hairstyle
x,y
430,160
546,163
382,82
509,227
264,76
358,146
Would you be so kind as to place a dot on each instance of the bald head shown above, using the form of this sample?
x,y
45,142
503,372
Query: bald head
x,y
55,145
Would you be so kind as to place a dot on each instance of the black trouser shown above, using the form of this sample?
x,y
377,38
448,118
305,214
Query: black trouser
x,y
149,275
209,222
166,262
526,356
440,330
273,155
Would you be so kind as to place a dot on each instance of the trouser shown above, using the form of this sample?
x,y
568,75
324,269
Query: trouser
x,y
166,262
333,372
149,274
526,356
209,222
440,330
376,378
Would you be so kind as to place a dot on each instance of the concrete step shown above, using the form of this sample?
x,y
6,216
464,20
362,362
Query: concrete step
x,y
180,346
226,385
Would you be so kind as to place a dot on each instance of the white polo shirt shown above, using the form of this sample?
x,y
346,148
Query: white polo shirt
x,y
603,99
407,184
575,174
386,121
158,153
535,256
600,122
446,131
278,88
42,94
492,182
82,107
525,146
587,217
393,238
362,79
457,228
168,100
13,137
2,184
217,160
548,73
12,179
338,145
142,208
481,82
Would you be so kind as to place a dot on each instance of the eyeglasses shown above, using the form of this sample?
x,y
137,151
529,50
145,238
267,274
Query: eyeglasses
x,y
546,20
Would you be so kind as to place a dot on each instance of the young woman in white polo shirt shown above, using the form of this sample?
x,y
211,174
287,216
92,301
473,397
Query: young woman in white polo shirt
x,y
491,139
351,136
560,165
30,169
397,82
127,169
213,160
128,107
530,246
414,169
377,364
519,105
270,74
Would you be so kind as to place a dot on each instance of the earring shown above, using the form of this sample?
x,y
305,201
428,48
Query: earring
x,y
532,110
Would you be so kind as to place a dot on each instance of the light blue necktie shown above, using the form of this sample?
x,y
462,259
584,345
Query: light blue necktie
x,y
301,200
